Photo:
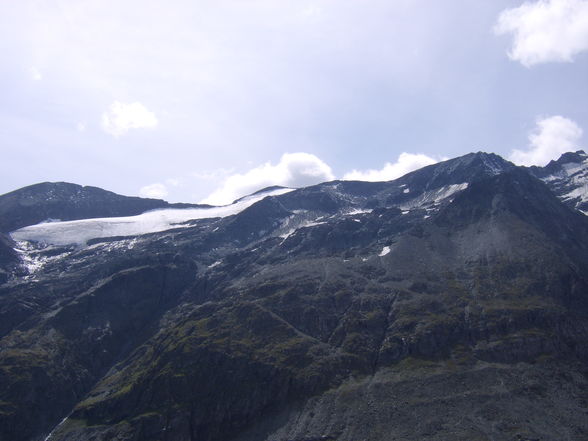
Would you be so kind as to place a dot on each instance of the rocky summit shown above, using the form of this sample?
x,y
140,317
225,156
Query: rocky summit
x,y
449,304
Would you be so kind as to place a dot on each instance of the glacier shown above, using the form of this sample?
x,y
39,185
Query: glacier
x,y
79,232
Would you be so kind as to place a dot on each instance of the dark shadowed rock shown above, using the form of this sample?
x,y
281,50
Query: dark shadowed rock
x,y
8,257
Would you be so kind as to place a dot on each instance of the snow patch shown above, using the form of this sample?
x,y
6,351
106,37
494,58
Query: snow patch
x,y
433,196
217,263
287,235
573,177
123,244
580,193
311,224
357,211
31,259
384,251
572,168
292,231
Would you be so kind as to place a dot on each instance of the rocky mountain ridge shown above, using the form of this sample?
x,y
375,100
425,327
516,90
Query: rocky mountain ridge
x,y
567,178
61,201
449,304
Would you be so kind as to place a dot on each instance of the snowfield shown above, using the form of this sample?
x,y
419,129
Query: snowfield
x,y
384,251
433,196
79,232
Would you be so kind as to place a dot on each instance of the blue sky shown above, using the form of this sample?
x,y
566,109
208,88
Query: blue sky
x,y
209,100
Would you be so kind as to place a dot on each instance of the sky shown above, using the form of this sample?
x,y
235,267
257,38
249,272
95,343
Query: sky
x,y
209,100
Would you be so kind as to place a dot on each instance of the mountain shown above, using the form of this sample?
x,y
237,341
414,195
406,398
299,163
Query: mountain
x,y
63,201
568,178
449,304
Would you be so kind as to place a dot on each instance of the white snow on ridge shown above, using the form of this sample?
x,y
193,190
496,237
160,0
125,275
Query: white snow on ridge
x,y
80,231
306,224
579,192
574,167
433,196
577,176
384,251
311,224
357,211
576,172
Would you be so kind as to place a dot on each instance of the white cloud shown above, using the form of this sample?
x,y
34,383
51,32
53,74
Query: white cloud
x,y
545,30
293,170
405,163
81,126
36,74
122,117
551,137
157,191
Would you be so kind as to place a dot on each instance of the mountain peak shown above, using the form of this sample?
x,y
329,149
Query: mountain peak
x,y
491,163
571,157
466,168
65,201
557,166
269,189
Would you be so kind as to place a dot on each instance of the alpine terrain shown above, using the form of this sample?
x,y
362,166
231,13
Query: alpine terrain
x,y
449,304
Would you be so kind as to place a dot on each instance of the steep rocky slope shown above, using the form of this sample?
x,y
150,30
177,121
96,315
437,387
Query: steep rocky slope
x,y
8,257
450,304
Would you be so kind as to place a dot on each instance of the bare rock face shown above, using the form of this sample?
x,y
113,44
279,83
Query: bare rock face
x,y
8,257
450,304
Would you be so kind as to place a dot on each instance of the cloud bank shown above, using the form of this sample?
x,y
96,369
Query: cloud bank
x,y
122,117
156,191
293,170
405,163
545,30
551,137
303,169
